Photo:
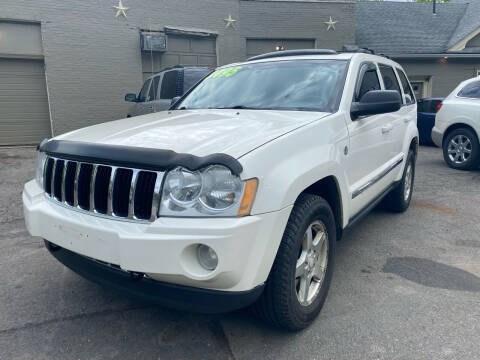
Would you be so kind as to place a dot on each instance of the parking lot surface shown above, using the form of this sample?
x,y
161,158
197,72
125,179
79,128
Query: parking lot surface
x,y
405,287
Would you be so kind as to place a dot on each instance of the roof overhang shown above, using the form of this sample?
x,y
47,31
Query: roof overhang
x,y
172,30
463,43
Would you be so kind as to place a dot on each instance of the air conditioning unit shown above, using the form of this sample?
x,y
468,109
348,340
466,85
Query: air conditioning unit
x,y
153,42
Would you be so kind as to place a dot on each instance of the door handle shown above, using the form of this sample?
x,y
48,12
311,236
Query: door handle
x,y
387,128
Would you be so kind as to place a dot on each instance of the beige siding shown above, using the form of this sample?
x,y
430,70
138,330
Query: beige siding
x,y
441,75
24,114
475,42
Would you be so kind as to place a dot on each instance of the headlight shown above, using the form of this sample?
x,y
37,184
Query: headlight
x,y
221,189
213,191
183,186
41,157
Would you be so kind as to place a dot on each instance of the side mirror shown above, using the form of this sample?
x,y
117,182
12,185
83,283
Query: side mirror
x,y
376,102
131,97
174,100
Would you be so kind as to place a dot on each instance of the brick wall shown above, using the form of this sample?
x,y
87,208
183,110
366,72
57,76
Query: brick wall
x,y
92,58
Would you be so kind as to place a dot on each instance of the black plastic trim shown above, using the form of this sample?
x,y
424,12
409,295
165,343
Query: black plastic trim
x,y
135,157
169,295
369,207
377,178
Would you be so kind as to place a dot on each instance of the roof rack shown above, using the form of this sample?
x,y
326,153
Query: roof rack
x,y
357,49
293,53
179,66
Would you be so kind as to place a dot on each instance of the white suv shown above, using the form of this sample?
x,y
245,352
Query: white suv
x,y
238,194
457,126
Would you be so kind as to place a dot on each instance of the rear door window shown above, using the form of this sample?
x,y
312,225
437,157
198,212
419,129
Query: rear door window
x,y
407,89
169,85
389,78
368,80
471,90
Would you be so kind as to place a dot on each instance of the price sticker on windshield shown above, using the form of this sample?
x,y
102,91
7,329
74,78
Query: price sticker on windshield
x,y
226,73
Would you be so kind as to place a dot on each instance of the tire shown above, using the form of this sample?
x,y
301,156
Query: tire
x,y
284,303
461,149
398,200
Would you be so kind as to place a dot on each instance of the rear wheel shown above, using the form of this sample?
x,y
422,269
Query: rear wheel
x,y
300,277
398,200
461,149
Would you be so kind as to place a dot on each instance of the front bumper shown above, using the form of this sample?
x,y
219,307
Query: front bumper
x,y
170,295
165,249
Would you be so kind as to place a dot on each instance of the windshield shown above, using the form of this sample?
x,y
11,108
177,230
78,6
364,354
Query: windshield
x,y
304,85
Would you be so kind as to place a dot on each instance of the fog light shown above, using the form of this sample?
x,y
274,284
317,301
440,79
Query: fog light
x,y
207,257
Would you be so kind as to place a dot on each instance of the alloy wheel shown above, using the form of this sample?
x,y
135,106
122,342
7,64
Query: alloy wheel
x,y
459,149
312,263
408,182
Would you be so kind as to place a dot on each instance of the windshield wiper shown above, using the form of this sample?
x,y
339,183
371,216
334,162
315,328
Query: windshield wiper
x,y
244,107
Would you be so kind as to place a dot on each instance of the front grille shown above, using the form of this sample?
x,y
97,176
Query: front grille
x,y
117,192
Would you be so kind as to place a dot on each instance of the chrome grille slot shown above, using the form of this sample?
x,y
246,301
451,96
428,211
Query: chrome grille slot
x,y
69,183
57,180
103,190
48,175
84,180
121,192
143,194
102,181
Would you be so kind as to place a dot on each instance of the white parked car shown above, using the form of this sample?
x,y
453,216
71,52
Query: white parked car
x,y
457,126
238,194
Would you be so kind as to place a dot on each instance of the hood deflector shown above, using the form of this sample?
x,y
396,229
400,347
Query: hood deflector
x,y
135,157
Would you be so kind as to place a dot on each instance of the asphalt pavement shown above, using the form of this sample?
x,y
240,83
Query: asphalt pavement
x,y
405,287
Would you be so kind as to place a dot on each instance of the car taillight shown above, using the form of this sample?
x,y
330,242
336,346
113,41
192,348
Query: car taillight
x,y
439,106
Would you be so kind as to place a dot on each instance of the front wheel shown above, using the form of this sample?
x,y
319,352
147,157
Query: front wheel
x,y
461,149
300,277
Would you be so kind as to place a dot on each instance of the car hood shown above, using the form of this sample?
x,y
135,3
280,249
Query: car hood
x,y
197,132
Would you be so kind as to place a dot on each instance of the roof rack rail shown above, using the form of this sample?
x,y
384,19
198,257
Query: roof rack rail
x,y
283,53
357,49
179,66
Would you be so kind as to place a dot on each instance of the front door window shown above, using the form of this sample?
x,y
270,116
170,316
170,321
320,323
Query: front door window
x,y
143,95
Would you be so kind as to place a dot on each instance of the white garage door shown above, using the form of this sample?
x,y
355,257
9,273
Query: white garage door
x,y
24,115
